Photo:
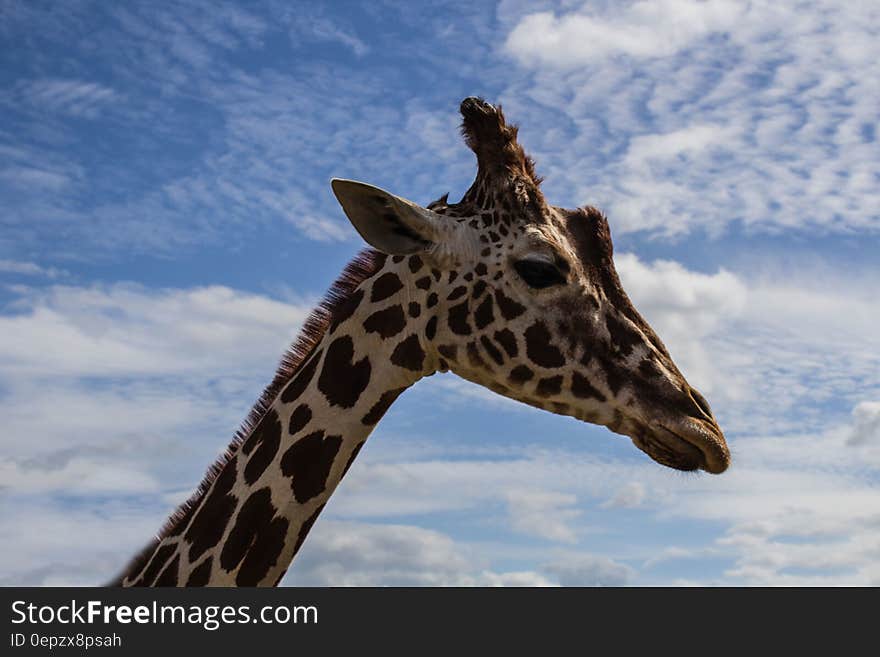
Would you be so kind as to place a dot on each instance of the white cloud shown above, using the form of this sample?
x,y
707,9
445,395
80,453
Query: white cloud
x,y
768,524
100,385
541,513
796,508
686,308
127,329
361,554
388,486
78,98
324,29
30,177
799,509
628,496
763,343
693,139
53,544
674,552
697,124
682,299
77,476
590,570
528,578
29,269
357,554
866,424
654,28
258,153
29,168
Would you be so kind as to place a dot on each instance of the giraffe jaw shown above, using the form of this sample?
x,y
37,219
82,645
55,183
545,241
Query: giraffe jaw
x,y
692,447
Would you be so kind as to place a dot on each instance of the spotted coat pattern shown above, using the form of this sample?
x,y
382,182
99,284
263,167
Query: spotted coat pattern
x,y
576,348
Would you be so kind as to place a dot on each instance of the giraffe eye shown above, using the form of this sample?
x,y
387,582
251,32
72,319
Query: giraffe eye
x,y
539,273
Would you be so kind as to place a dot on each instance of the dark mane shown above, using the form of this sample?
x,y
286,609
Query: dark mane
x,y
362,267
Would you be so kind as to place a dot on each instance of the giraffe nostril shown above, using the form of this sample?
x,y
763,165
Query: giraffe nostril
x,y
701,403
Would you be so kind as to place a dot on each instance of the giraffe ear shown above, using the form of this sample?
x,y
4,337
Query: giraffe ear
x,y
387,222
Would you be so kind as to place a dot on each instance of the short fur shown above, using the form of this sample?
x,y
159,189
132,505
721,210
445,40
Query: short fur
x,y
365,264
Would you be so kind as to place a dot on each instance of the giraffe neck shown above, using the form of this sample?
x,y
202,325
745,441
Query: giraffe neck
x,y
248,525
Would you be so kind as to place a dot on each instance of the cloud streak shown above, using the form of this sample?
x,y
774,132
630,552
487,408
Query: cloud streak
x,y
697,123
641,30
78,98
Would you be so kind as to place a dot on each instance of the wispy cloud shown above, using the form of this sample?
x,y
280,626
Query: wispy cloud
x,y
36,170
546,514
791,508
640,29
323,29
130,330
590,570
698,122
866,424
629,496
364,554
87,544
113,379
29,177
30,269
78,98
759,345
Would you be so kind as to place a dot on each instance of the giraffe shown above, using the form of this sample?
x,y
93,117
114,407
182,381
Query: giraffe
x,y
501,288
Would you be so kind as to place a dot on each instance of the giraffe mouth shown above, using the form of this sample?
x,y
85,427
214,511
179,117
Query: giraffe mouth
x,y
692,448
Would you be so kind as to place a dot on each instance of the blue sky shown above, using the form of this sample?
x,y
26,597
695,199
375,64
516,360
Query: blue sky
x,y
167,223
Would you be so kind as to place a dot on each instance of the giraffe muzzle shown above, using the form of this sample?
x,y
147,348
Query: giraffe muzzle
x,y
685,443
680,433
693,444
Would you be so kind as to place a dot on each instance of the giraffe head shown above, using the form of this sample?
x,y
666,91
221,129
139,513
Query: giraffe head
x,y
525,300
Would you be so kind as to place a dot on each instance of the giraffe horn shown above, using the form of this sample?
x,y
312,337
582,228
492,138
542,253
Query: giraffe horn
x,y
493,140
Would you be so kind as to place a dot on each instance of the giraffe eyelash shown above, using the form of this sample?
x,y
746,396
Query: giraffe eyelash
x,y
540,274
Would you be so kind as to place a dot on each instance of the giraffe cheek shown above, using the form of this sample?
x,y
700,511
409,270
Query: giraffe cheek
x,y
509,308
